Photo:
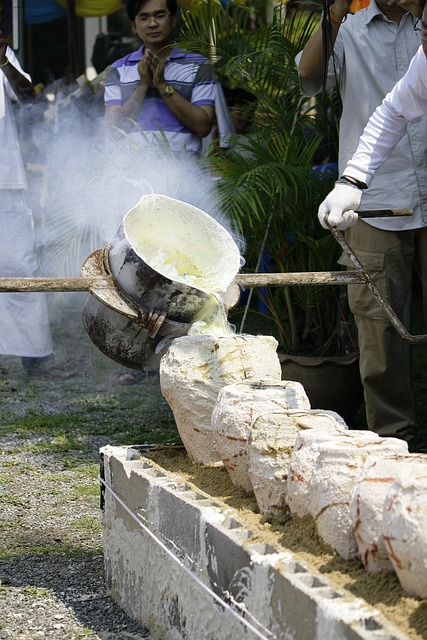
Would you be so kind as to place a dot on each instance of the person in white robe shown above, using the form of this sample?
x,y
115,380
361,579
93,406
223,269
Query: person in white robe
x,y
24,322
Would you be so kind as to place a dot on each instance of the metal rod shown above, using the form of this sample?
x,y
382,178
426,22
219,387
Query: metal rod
x,y
243,280
385,213
397,324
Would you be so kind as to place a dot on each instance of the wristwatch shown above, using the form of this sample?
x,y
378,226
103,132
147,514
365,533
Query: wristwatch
x,y
168,91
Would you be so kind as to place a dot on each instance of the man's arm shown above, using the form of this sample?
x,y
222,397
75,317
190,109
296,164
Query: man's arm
x,y
151,70
22,87
121,115
382,133
406,102
311,62
198,119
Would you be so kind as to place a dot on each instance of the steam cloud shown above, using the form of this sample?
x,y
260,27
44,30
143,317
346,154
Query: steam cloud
x,y
81,187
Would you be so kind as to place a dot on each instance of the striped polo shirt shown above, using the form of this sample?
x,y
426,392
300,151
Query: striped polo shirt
x,y
189,73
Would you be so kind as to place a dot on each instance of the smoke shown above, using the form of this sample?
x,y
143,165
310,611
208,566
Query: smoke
x,y
80,187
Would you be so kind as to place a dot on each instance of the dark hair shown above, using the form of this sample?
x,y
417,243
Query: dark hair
x,y
133,7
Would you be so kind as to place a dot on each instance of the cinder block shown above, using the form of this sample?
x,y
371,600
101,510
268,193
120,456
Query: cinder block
x,y
227,570
180,525
220,583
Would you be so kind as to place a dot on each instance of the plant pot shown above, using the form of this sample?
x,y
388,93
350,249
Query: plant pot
x,y
330,382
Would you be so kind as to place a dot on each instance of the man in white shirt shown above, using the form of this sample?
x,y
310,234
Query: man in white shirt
x,y
407,102
24,324
372,50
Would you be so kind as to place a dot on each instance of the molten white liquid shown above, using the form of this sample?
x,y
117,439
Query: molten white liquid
x,y
212,319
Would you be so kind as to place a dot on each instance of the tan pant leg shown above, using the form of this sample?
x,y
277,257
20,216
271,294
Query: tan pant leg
x,y
388,258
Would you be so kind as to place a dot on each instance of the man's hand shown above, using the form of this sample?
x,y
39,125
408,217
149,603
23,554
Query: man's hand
x,y
411,6
145,73
339,207
156,65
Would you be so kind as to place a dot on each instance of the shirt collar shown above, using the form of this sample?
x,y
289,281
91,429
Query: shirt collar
x,y
372,11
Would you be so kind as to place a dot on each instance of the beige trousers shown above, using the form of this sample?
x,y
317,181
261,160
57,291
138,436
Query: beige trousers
x,y
389,257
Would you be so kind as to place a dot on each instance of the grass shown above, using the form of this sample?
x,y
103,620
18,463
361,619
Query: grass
x,y
98,416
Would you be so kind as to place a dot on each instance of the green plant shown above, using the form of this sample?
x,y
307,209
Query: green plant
x,y
268,186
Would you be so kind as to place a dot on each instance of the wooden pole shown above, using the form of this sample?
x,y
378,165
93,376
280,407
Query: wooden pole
x,y
247,281
52,284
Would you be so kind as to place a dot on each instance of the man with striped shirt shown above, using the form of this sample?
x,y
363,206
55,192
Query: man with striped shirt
x,y
159,93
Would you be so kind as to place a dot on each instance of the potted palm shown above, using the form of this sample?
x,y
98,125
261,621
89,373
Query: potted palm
x,y
268,187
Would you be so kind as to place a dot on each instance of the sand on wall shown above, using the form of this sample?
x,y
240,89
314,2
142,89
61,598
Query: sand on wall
x,y
380,590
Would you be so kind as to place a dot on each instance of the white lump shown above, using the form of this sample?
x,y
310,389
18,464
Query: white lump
x,y
270,445
193,371
367,507
323,471
405,527
237,407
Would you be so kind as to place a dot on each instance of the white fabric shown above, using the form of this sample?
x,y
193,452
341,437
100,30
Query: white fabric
x,y
2,100
407,102
2,88
24,328
339,207
24,325
225,126
371,54
12,173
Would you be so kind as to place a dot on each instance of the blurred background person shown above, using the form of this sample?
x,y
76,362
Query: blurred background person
x,y
160,96
160,91
24,323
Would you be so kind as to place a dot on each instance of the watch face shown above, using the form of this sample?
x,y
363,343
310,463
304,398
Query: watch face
x,y
168,91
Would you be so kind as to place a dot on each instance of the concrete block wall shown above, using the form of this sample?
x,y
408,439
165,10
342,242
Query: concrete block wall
x,y
194,574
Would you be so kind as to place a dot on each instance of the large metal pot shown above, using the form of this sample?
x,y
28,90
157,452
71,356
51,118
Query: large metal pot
x,y
128,342
170,256
165,262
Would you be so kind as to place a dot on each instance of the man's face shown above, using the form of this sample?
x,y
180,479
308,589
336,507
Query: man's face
x,y
154,23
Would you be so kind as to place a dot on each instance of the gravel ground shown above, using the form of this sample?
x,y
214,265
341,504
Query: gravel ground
x,y
52,578
51,561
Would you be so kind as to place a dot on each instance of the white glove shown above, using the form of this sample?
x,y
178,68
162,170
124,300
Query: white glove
x,y
340,206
